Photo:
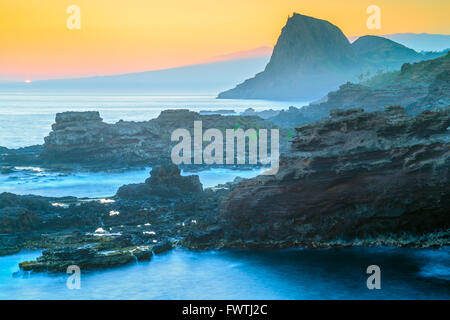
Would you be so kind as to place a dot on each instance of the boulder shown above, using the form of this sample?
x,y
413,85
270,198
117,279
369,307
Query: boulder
x,y
165,181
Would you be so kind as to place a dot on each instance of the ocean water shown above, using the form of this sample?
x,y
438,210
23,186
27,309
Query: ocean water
x,y
26,117
242,274
84,184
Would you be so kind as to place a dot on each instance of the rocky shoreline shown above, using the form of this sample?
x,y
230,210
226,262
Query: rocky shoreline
x,y
351,179
82,140
141,220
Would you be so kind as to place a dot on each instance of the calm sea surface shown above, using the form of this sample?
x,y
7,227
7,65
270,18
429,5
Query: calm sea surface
x,y
42,182
25,119
288,274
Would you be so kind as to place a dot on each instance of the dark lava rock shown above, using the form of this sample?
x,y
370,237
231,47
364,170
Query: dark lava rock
x,y
27,156
165,181
162,247
57,260
16,219
83,138
355,175
168,176
19,213
311,57
143,254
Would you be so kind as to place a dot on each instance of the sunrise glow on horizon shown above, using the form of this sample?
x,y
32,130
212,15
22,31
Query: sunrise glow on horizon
x,y
139,35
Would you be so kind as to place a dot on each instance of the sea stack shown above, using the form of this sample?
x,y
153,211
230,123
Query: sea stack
x,y
311,57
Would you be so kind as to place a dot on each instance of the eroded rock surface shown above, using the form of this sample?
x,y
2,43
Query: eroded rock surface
x,y
165,181
355,175
353,178
143,219
83,138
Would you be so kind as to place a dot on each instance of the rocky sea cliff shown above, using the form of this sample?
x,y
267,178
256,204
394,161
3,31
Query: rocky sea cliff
x,y
84,140
352,178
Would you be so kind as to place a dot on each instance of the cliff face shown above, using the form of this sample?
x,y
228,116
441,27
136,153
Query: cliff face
x,y
311,57
83,138
353,175
307,44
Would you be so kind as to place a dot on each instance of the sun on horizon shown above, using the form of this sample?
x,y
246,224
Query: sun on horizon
x,y
44,40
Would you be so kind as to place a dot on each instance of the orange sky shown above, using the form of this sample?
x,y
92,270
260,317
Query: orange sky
x,y
119,36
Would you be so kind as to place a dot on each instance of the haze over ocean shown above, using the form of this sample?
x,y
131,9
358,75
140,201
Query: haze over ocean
x,y
27,117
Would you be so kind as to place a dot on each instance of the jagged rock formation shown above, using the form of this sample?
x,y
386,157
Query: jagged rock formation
x,y
83,138
417,87
142,219
311,57
17,157
380,177
58,260
165,181
355,175
14,219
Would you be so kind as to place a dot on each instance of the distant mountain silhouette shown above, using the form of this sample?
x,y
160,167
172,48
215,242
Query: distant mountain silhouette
x,y
252,53
384,54
205,78
310,57
421,41
418,41
313,57
417,87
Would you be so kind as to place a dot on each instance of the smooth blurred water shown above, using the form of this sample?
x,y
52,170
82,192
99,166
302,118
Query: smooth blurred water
x,y
26,117
243,274
85,184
